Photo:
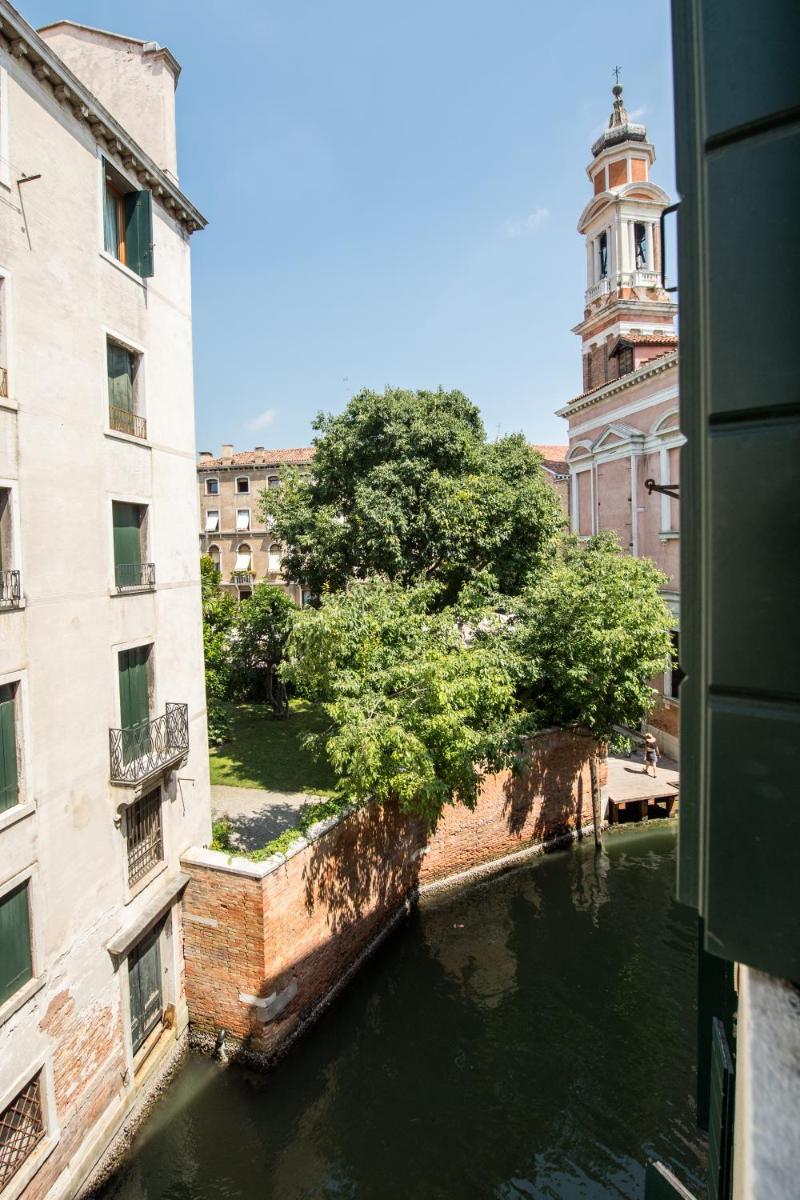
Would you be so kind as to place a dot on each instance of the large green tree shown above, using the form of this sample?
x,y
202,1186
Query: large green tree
x,y
418,703
405,484
589,635
263,624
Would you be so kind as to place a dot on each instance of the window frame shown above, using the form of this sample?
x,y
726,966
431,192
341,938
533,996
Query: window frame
x,y
25,806
138,386
243,528
212,479
273,481
41,1066
218,560
115,181
134,887
274,570
249,550
28,877
145,536
242,491
216,528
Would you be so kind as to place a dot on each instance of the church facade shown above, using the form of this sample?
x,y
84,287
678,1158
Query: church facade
x,y
624,437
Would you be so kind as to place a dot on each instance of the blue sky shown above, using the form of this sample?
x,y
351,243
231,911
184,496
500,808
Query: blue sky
x,y
392,192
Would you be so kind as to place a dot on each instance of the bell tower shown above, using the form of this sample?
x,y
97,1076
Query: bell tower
x,y
628,317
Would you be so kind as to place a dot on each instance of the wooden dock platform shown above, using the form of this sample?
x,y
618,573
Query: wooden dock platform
x,y
630,788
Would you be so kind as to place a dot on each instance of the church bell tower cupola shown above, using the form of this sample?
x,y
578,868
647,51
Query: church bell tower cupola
x,y
620,225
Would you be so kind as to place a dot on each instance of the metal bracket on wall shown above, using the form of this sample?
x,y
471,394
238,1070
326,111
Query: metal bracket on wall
x,y
668,489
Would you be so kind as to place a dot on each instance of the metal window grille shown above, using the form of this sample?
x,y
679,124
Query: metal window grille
x,y
145,847
21,1130
124,421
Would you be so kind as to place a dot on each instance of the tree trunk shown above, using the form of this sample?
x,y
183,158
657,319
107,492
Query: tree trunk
x,y
595,800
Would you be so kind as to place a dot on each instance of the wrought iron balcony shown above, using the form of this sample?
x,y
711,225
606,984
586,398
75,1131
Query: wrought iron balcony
x,y
127,422
133,577
150,747
243,577
10,589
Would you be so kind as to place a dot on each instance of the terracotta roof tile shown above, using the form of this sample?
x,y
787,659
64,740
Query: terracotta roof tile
x,y
650,339
259,458
554,458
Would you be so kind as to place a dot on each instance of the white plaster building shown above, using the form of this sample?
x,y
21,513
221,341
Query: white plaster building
x,y
103,749
623,427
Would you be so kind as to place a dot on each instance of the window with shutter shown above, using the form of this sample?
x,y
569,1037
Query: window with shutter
x,y
9,781
275,556
127,222
120,376
134,701
244,558
145,988
16,962
212,520
242,518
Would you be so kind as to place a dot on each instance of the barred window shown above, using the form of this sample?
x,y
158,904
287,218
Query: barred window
x,y
145,846
21,1130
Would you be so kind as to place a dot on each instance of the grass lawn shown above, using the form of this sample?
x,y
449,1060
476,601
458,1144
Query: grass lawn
x,y
270,754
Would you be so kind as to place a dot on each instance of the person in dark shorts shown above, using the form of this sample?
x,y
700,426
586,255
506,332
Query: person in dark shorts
x,y
650,755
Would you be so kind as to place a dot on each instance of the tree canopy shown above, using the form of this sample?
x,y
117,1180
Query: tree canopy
x,y
405,485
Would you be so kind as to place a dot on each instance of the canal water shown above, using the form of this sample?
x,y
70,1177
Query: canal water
x,y
532,1036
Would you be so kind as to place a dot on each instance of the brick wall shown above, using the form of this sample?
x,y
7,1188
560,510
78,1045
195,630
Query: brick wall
x,y
266,943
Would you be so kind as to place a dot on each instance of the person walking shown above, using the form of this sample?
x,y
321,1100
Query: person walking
x,y
651,755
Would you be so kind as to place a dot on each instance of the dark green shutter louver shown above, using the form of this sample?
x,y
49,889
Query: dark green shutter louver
x,y
16,966
139,232
720,1116
134,703
9,785
127,533
144,981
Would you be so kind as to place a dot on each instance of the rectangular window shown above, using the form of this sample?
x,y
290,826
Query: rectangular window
x,y
212,487
242,518
10,593
9,780
22,1127
130,571
145,844
212,520
16,963
243,485
144,983
625,360
127,222
123,390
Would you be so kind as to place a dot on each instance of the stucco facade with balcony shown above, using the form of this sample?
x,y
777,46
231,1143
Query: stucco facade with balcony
x,y
103,745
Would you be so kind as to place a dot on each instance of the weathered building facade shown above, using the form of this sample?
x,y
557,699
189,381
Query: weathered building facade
x,y
623,428
233,531
103,748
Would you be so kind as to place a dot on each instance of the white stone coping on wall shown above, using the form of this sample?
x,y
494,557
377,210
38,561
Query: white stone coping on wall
x,y
237,864
126,938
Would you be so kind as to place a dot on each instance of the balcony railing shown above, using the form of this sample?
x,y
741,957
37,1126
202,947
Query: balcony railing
x,y
10,589
597,289
124,421
132,577
4,382
243,577
150,747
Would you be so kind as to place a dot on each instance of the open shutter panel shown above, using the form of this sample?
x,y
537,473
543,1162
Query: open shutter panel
x,y
120,377
15,942
139,232
127,534
8,750
134,705
720,1116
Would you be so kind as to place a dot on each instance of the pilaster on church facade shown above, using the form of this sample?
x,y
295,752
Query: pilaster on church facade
x,y
623,427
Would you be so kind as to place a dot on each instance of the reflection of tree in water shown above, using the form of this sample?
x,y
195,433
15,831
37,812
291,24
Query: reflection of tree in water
x,y
471,943
590,881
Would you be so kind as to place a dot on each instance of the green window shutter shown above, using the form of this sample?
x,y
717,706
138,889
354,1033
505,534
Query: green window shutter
x,y
127,533
120,376
16,966
9,789
716,997
134,700
139,232
720,1116
144,981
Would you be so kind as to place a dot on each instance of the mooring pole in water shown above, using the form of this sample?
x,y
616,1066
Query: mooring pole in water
x,y
595,800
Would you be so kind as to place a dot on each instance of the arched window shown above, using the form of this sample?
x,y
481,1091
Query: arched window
x,y
212,487
213,554
244,558
275,557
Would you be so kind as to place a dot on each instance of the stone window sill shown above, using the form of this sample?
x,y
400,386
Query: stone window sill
x,y
120,266
119,436
155,873
8,403
669,535
17,813
21,998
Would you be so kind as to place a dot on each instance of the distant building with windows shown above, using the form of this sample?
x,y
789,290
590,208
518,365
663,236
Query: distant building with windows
x,y
232,530
624,426
103,746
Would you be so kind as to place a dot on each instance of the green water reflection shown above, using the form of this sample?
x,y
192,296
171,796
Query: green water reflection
x,y
528,1037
